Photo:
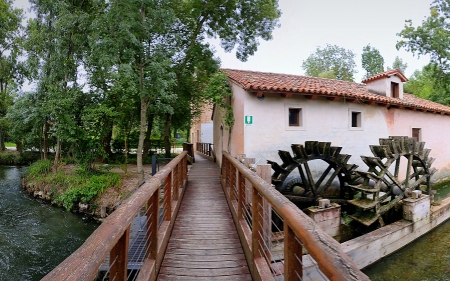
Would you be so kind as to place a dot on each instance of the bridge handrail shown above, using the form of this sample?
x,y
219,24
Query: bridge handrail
x,y
113,233
205,148
326,251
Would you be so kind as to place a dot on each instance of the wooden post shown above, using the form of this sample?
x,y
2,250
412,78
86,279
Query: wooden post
x,y
257,223
185,171
118,260
177,180
248,185
293,267
240,157
233,183
265,172
224,170
168,197
152,225
241,196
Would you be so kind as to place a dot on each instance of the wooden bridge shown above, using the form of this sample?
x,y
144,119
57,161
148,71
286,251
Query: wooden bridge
x,y
220,224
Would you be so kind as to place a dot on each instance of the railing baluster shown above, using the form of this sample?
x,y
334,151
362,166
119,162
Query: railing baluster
x,y
152,225
257,222
233,184
241,196
168,197
292,255
176,184
119,258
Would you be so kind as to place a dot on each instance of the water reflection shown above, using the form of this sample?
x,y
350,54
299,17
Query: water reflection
x,y
427,258
34,236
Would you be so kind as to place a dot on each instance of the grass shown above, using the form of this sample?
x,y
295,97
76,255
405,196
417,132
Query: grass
x,y
10,144
69,188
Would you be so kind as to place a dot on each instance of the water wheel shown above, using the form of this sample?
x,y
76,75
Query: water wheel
x,y
304,181
399,166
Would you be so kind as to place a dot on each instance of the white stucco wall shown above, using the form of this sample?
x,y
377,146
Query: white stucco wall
x,y
383,86
206,133
325,120
433,131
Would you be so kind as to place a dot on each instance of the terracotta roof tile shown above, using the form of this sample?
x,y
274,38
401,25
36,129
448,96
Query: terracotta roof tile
x,y
387,74
254,81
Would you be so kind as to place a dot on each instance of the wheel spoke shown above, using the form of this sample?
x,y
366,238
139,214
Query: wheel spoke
x,y
302,176
397,167
325,173
329,181
310,178
408,170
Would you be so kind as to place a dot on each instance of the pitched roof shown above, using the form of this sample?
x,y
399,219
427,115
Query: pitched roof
x,y
385,74
312,87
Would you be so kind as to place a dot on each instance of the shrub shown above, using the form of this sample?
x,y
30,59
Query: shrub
x,y
39,168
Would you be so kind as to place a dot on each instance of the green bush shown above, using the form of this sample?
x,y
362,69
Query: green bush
x,y
84,188
39,168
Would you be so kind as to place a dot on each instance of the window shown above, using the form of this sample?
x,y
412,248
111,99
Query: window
x,y
394,90
356,119
295,117
415,132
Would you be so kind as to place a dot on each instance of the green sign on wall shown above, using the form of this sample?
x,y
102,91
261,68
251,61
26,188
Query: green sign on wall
x,y
248,120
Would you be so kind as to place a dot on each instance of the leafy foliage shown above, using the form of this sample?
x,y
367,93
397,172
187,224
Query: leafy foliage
x,y
219,93
69,189
431,38
39,168
331,61
372,61
399,64
425,84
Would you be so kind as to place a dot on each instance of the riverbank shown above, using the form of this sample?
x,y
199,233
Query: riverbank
x,y
101,206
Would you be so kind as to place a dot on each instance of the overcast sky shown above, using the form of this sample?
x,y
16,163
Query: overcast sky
x,y
352,24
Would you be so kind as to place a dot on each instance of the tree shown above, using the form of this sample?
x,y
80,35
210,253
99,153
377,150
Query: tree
x,y
331,61
423,83
10,51
238,24
399,64
372,61
431,38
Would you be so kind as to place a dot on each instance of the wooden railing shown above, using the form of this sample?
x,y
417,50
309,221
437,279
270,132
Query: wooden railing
x,y
205,148
112,238
274,232
189,147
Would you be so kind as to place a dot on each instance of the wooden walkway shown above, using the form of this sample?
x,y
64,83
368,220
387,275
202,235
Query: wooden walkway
x,y
204,244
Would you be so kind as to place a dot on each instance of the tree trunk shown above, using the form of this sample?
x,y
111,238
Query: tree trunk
x,y
46,128
167,135
147,137
58,149
143,125
106,142
125,151
2,139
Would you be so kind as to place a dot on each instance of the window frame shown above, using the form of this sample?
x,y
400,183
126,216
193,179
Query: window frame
x,y
300,117
360,118
419,137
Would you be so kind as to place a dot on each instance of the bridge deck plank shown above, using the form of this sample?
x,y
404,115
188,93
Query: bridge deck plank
x,y
204,244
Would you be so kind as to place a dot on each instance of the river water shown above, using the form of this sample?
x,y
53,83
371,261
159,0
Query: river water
x,y
34,236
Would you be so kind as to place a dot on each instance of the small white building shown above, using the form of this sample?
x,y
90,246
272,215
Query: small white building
x,y
273,111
